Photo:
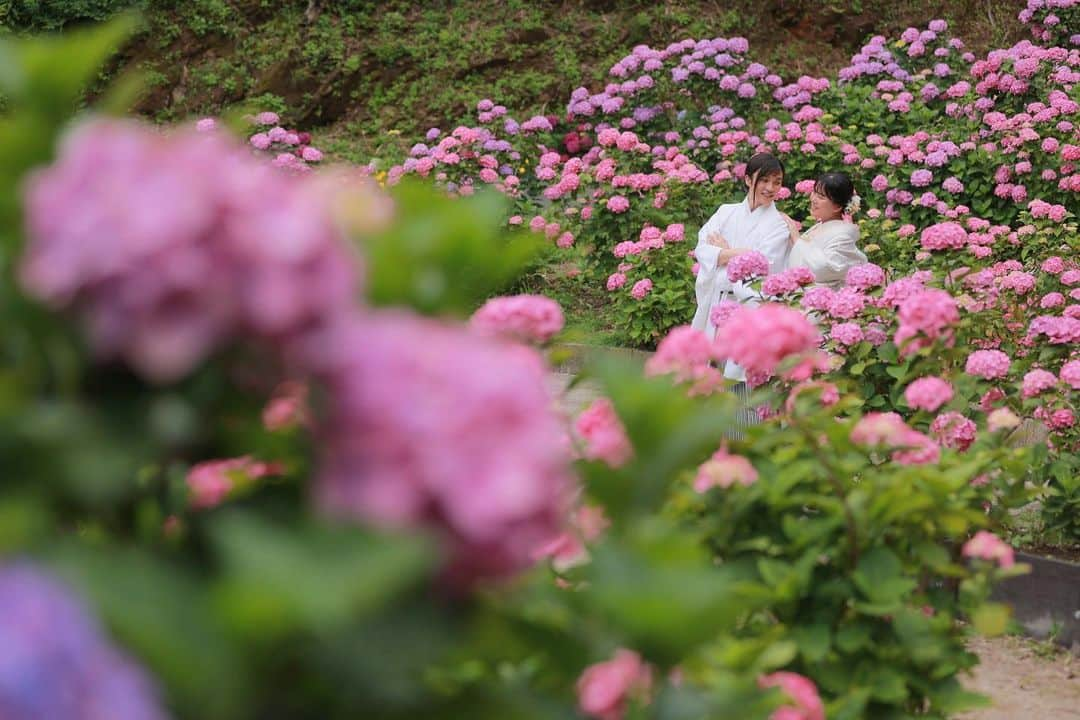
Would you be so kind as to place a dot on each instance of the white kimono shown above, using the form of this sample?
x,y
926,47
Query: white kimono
x,y
829,249
763,230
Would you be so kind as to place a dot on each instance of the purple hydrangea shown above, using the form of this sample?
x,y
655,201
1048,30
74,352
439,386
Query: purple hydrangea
x,y
56,661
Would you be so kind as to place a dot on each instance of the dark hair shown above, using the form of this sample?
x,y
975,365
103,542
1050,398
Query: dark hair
x,y
836,186
763,165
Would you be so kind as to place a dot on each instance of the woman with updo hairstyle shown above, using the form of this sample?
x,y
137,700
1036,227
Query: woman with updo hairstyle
x,y
830,247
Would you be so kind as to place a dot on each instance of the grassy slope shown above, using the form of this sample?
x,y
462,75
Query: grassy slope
x,y
370,77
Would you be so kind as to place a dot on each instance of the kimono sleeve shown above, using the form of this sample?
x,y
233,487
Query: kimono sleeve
x,y
835,257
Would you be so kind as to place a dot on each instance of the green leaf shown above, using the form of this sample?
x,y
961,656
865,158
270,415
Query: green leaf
x,y
991,619
445,254
813,641
879,575
316,577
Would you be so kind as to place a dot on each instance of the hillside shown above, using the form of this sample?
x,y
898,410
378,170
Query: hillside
x,y
368,77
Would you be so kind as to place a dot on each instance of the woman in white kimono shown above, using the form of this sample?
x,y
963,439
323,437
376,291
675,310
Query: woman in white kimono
x,y
736,228
830,247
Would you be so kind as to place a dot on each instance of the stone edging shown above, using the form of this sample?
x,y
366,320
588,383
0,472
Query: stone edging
x,y
1047,601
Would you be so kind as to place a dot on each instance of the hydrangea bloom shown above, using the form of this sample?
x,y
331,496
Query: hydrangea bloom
x,y
527,318
865,276
685,353
801,690
1036,381
57,661
211,482
747,265
491,472
847,333
928,393
925,316
987,546
603,433
605,689
954,430
724,470
759,338
1070,374
185,245
988,364
944,236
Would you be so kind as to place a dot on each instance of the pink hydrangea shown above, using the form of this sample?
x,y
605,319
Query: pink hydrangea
x,y
615,281
954,430
287,407
1070,374
878,428
491,475
618,204
526,318
817,298
918,449
724,470
209,483
641,289
685,353
944,236
606,689
187,244
603,434
760,338
1053,265
721,311
260,141
988,364
988,546
1051,300
801,690
1019,282
1036,381
925,316
788,281
267,118
865,276
747,265
928,393
847,333
846,303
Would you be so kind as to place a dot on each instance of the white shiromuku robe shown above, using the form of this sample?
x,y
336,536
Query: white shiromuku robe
x,y
829,249
763,230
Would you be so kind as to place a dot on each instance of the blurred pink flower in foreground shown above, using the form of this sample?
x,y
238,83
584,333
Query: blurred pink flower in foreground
x,y
605,689
603,433
808,705
432,425
527,318
988,546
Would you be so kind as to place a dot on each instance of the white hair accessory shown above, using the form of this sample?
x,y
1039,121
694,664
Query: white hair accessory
x,y
853,205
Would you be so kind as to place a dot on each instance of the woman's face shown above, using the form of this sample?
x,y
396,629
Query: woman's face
x,y
822,208
764,189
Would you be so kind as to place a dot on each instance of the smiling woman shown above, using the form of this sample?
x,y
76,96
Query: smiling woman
x,y
830,248
753,225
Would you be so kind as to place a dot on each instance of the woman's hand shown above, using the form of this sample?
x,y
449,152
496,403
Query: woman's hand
x,y
727,253
793,228
716,239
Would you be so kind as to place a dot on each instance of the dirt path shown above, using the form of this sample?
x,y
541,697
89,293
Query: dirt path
x,y
1023,684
